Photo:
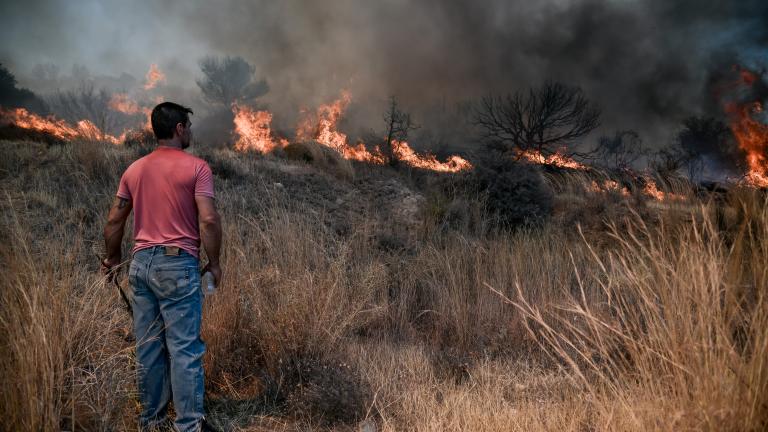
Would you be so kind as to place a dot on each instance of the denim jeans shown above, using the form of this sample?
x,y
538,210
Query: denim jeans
x,y
167,312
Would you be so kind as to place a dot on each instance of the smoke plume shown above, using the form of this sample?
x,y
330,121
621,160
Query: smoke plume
x,y
647,63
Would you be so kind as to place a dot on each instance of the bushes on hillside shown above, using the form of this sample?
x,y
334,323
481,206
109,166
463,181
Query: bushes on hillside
x,y
515,193
323,157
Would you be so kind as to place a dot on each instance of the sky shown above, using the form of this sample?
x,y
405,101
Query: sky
x,y
647,63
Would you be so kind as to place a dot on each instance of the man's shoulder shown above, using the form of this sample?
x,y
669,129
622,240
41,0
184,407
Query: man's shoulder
x,y
197,161
136,165
186,159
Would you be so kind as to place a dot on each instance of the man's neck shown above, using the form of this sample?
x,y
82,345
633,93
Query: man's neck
x,y
172,143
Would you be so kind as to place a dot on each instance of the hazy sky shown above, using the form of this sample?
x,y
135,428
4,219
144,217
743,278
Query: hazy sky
x,y
648,63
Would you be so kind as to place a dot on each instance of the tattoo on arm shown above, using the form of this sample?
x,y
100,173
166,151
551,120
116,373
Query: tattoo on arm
x,y
122,203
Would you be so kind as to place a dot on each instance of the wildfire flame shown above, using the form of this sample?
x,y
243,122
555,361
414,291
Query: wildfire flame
x,y
751,134
405,153
120,102
608,186
752,137
322,127
652,190
556,159
84,129
254,130
153,77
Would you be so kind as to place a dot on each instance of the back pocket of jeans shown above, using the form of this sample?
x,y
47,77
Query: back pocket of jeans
x,y
172,283
133,270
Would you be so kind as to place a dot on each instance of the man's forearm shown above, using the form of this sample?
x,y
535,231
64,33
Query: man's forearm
x,y
210,234
113,239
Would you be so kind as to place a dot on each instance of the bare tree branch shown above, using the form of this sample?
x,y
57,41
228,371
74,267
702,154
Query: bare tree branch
x,y
399,124
545,119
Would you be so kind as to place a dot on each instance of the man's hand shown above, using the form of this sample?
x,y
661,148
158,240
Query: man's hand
x,y
109,268
210,234
215,270
113,231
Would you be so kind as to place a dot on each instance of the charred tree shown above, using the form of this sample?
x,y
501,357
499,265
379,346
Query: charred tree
x,y
620,151
398,124
545,119
707,138
85,103
701,142
668,162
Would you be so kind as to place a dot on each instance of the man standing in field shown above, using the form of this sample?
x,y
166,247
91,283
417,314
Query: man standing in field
x,y
171,192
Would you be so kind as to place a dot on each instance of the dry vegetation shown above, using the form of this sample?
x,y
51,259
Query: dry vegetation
x,y
346,308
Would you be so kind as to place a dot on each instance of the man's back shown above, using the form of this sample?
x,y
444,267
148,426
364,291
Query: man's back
x,y
170,192
162,187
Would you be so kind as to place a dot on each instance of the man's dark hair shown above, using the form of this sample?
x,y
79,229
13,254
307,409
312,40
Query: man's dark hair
x,y
166,116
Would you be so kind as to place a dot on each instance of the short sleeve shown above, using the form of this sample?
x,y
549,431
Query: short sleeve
x,y
123,191
204,181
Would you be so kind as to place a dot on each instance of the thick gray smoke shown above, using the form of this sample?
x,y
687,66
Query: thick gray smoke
x,y
648,63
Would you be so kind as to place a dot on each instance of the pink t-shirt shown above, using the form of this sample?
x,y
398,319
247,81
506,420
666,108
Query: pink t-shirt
x,y
162,186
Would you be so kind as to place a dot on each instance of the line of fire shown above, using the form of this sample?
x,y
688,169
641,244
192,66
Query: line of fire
x,y
252,131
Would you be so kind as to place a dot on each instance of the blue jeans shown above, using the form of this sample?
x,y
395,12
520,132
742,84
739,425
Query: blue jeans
x,y
167,313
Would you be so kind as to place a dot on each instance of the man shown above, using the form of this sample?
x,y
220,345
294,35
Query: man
x,y
171,192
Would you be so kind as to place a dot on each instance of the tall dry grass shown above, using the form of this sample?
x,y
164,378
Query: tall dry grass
x,y
656,324
65,361
679,339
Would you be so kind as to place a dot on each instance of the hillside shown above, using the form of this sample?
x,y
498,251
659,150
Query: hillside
x,y
364,297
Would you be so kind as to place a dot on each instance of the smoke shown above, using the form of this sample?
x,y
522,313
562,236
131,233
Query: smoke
x,y
648,63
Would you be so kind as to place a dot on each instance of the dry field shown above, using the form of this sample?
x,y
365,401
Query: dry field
x,y
360,298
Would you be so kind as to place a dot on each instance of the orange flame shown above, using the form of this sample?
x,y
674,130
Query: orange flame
x,y
608,186
253,128
556,159
405,153
652,190
254,133
751,134
323,129
361,153
57,128
120,102
752,137
154,76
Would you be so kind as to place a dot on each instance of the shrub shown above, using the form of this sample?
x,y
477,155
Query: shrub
x,y
515,192
322,157
327,392
143,141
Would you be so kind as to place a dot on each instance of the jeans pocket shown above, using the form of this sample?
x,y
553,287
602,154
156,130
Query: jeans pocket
x,y
172,283
133,270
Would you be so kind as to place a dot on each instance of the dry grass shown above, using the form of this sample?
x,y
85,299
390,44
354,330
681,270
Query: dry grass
x,y
660,323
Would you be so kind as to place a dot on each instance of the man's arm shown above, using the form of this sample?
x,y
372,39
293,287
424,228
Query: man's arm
x,y
113,230
210,233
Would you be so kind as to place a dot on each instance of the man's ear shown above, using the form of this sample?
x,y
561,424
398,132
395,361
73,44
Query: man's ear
x,y
179,129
